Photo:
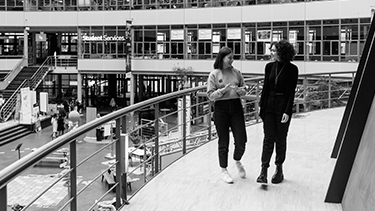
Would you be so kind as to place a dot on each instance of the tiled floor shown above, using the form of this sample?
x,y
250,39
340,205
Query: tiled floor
x,y
23,189
33,180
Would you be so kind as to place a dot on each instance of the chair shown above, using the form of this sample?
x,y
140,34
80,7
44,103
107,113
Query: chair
x,y
129,181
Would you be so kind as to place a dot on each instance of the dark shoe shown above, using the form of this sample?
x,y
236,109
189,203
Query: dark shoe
x,y
278,176
263,176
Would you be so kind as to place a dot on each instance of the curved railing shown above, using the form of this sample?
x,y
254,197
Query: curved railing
x,y
155,143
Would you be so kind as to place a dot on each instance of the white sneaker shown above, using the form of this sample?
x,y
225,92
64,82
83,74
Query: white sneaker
x,y
241,170
225,176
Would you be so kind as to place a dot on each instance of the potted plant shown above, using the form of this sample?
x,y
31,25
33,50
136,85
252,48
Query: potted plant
x,y
183,73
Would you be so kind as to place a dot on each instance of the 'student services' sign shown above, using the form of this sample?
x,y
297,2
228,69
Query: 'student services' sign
x,y
103,38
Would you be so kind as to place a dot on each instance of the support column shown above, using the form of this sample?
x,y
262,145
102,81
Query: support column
x,y
141,88
132,89
79,46
112,86
26,43
79,87
90,116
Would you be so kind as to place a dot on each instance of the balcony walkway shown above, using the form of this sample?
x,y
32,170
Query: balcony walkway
x,y
193,183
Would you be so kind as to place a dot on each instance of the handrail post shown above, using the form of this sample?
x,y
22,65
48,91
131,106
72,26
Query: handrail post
x,y
257,102
125,153
73,175
210,103
329,90
120,165
184,124
157,155
305,93
3,198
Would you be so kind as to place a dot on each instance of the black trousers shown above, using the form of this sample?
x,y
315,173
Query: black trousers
x,y
275,133
229,114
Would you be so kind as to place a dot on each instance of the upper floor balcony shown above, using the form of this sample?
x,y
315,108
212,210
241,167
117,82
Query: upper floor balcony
x,y
68,5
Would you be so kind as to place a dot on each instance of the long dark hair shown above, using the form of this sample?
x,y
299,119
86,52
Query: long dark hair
x,y
224,51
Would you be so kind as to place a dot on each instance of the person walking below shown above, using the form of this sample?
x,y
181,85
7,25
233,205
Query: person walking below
x,y
276,105
113,104
54,126
61,124
225,86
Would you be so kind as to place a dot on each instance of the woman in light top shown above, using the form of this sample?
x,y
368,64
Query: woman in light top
x,y
225,86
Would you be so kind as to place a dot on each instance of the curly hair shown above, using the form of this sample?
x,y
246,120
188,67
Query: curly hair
x,y
224,51
285,50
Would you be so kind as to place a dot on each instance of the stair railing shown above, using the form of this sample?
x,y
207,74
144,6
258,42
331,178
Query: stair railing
x,y
9,106
13,73
41,73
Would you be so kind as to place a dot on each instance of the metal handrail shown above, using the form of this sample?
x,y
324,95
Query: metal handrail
x,y
16,168
39,75
16,69
13,73
10,105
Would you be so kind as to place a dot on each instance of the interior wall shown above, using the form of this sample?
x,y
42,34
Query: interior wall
x,y
206,66
360,191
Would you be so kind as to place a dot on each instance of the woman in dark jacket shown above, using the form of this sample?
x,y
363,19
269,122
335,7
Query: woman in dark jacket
x,y
276,105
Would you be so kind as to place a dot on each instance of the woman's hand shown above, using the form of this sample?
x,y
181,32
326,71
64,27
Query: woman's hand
x,y
226,88
241,91
285,118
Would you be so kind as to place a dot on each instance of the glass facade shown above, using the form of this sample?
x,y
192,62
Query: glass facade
x,y
60,86
71,5
103,42
314,40
11,44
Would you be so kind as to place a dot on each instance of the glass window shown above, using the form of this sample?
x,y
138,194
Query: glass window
x,y
329,22
205,26
276,24
163,27
365,20
314,33
149,27
349,21
279,33
264,24
138,50
177,26
296,23
191,26
149,36
331,32
314,22
138,36
215,26
364,30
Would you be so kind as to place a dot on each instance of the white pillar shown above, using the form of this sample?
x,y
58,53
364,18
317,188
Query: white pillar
x,y
90,115
79,87
25,43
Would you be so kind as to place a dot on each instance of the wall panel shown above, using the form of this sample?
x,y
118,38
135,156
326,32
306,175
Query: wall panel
x,y
360,191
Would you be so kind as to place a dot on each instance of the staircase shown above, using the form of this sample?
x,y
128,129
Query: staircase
x,y
13,133
28,77
26,73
